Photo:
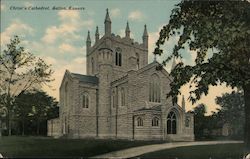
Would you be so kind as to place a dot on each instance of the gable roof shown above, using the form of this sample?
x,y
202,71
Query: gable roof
x,y
154,64
86,78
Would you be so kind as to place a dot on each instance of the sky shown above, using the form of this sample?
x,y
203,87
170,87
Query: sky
x,y
59,36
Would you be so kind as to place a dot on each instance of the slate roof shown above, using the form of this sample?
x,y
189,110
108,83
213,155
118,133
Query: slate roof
x,y
85,78
154,108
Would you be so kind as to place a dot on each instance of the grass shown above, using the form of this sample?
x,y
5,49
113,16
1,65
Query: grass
x,y
220,151
49,147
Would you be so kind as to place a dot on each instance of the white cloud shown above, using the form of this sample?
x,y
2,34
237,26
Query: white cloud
x,y
66,48
65,33
49,60
152,38
17,27
51,34
59,65
167,47
68,14
136,15
69,29
54,33
115,12
77,65
80,60
88,23
40,48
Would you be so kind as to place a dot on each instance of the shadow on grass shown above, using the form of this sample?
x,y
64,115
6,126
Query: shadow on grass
x,y
220,151
16,146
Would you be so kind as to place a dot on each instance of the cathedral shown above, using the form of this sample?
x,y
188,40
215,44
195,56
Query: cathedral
x,y
121,96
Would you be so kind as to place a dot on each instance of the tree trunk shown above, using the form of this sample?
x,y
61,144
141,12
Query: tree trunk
x,y
7,121
247,117
8,116
38,127
23,124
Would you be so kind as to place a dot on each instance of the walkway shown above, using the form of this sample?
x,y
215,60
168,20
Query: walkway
x,y
137,151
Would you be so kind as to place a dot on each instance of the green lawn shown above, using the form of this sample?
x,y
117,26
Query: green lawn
x,y
221,151
49,147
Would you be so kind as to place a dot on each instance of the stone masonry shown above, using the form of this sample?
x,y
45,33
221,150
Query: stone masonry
x,y
121,97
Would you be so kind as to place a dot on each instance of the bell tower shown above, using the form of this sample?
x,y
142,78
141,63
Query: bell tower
x,y
105,56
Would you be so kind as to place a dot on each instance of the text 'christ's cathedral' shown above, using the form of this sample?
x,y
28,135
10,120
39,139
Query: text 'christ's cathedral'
x,y
122,96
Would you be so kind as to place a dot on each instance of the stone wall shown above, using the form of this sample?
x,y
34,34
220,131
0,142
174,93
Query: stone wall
x,y
147,131
86,126
129,49
54,128
106,119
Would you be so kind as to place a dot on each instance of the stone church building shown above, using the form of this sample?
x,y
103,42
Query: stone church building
x,y
121,97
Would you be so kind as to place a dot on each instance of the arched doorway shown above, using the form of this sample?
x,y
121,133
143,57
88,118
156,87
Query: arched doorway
x,y
171,123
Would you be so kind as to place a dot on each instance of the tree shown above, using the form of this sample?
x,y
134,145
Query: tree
x,y
20,71
42,108
220,29
199,120
22,108
2,113
34,109
232,110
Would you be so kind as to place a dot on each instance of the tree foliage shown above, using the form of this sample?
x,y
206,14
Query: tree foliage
x,y
219,27
22,108
20,71
199,120
34,109
222,27
232,110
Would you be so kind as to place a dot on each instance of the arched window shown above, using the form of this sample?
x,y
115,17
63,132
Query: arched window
x,y
85,100
154,89
122,97
155,121
187,121
139,121
92,66
118,57
171,123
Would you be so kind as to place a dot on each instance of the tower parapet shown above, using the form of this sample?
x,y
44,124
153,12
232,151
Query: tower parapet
x,y
103,50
